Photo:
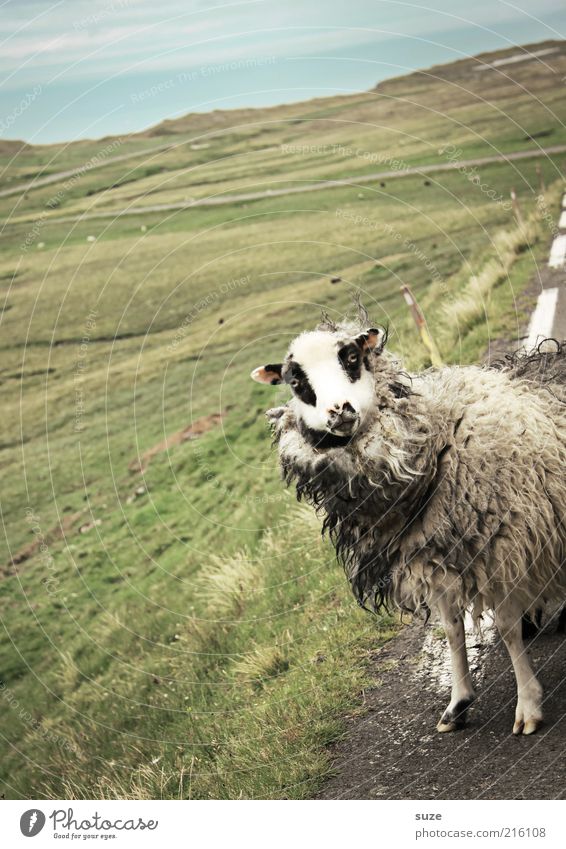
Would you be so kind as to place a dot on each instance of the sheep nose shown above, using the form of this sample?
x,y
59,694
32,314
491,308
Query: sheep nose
x,y
340,409
341,412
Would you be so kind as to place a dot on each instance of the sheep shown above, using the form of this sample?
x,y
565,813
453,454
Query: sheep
x,y
443,489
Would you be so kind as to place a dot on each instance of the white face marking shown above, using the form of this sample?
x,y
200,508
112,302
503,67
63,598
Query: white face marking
x,y
316,353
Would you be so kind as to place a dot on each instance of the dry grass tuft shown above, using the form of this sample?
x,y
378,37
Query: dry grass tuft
x,y
472,304
264,663
226,584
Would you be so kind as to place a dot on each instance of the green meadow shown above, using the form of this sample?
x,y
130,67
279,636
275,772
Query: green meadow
x,y
173,624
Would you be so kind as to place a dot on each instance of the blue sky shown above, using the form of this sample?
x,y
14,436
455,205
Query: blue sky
x,y
76,69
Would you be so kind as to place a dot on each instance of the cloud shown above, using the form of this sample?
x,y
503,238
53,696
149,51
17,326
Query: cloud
x,y
70,41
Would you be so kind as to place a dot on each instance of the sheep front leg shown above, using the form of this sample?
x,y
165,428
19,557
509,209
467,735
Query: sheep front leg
x,y
528,715
454,717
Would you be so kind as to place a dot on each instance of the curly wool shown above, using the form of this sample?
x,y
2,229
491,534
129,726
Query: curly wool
x,y
455,482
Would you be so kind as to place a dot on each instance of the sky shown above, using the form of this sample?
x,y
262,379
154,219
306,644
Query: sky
x,y
74,69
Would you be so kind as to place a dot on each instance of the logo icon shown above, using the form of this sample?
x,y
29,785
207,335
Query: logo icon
x,y
31,822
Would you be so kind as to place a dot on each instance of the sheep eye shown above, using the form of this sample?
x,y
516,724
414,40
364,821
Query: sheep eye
x,y
353,358
294,383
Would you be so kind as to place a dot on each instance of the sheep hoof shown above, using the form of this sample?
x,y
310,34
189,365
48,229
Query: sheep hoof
x,y
526,728
532,725
451,724
454,718
444,727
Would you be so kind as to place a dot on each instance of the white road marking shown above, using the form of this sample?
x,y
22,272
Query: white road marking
x,y
557,256
517,57
542,320
562,222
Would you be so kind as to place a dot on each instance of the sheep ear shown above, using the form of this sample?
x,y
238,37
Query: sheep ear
x,y
373,339
270,374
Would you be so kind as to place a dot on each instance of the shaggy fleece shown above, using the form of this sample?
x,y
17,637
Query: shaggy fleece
x,y
456,480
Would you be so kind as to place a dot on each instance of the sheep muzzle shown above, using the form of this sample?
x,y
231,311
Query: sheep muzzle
x,y
343,420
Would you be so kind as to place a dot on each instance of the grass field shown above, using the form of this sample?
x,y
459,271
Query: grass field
x,y
173,624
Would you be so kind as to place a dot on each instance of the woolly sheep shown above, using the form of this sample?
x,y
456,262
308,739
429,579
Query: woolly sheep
x,y
443,489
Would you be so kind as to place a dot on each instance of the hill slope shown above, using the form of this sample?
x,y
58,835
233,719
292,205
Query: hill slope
x,y
173,625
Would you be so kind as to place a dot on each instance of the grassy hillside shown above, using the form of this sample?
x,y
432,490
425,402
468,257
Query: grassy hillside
x,y
173,624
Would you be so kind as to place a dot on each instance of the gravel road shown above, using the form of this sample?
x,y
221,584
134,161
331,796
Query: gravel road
x,y
394,751
220,200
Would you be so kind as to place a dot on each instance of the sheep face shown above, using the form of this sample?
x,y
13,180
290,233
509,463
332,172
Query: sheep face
x,y
331,378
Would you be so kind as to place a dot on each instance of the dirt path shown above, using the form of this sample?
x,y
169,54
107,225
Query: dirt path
x,y
90,165
394,751
361,179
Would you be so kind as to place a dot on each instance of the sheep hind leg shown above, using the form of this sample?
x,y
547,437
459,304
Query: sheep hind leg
x,y
528,714
462,696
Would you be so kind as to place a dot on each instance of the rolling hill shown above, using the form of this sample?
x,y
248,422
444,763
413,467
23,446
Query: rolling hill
x,y
173,624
